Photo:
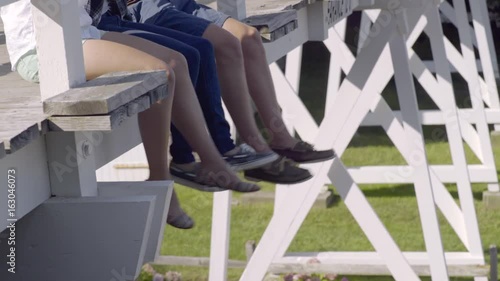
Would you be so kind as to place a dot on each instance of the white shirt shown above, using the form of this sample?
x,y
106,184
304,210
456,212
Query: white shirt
x,y
20,32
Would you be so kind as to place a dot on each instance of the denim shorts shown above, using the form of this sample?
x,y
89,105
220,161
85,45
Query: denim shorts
x,y
184,15
204,12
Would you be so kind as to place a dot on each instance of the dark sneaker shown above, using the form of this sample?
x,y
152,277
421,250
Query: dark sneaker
x,y
246,158
281,171
303,152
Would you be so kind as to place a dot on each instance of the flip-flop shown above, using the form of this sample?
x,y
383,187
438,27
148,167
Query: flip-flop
x,y
191,179
209,182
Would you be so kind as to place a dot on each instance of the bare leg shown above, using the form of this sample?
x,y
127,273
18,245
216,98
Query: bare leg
x,y
119,57
234,88
262,87
186,111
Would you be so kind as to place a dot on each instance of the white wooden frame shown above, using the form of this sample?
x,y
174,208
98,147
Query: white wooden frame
x,y
478,139
60,57
346,110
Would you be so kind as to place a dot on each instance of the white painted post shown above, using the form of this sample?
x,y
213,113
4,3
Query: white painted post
x,y
317,20
219,245
474,85
71,164
235,8
60,55
335,70
423,186
435,32
292,74
489,35
59,46
487,53
221,216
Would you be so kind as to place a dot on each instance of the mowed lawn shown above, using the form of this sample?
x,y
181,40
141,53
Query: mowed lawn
x,y
331,229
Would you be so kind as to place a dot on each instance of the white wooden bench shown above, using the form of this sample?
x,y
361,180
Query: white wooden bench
x,y
67,225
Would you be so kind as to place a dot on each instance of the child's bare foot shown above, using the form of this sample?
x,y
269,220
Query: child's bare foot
x,y
176,216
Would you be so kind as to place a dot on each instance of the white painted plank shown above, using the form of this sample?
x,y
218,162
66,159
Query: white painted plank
x,y
162,190
32,185
219,244
60,52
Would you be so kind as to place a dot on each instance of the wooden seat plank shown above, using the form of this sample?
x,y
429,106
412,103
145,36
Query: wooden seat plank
x,y
275,25
110,121
104,94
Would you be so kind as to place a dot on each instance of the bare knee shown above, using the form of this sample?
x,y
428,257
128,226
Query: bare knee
x,y
162,65
177,63
251,42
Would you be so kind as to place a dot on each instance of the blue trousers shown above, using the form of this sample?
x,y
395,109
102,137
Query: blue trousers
x,y
200,57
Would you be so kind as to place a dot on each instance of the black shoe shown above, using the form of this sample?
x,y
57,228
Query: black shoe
x,y
281,171
304,152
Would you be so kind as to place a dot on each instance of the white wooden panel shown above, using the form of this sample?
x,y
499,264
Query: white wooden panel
x,y
32,180
219,245
59,46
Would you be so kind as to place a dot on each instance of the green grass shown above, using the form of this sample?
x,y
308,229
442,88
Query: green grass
x,y
331,229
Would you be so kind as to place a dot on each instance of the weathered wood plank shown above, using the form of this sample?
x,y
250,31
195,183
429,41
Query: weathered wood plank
x,y
110,121
280,32
138,105
344,269
158,94
274,25
260,7
370,270
104,94
271,21
89,123
16,139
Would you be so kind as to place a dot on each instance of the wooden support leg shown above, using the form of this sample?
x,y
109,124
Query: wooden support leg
x,y
219,245
423,185
436,35
86,238
474,84
162,190
486,50
71,164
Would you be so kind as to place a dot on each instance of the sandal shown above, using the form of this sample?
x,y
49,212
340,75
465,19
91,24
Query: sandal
x,y
191,179
304,152
208,182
